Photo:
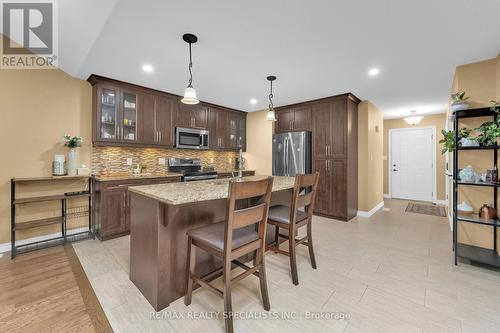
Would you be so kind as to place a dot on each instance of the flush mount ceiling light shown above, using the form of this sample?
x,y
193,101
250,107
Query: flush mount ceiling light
x,y
147,68
374,72
270,113
414,118
253,101
189,93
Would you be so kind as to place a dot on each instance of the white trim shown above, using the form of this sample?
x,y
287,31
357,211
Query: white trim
x,y
441,202
371,212
434,161
387,196
5,247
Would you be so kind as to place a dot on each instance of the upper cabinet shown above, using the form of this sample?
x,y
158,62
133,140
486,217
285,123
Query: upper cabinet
x,y
128,115
107,110
157,120
293,119
192,116
237,131
218,128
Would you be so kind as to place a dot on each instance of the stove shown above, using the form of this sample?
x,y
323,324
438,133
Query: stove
x,y
191,169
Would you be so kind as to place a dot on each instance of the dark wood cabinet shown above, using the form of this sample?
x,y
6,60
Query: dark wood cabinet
x,y
192,116
111,204
237,131
114,211
333,122
157,120
293,119
335,137
218,127
129,115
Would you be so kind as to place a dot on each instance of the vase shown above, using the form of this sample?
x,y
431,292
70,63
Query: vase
x,y
72,161
460,106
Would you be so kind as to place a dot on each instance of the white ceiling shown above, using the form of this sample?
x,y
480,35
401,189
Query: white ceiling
x,y
316,48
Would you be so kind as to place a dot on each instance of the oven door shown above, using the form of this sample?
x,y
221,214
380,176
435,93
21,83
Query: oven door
x,y
191,138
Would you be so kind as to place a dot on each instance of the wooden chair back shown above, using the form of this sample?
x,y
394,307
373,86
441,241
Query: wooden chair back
x,y
256,195
304,195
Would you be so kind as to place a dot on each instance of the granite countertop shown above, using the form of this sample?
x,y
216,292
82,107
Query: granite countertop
x,y
129,176
181,193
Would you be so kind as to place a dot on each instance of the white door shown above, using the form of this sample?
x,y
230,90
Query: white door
x,y
412,165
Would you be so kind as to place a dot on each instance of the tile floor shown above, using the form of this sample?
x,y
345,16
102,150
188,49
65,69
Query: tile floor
x,y
390,273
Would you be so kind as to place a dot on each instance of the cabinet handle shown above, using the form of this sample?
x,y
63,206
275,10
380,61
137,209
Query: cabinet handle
x,y
326,150
159,136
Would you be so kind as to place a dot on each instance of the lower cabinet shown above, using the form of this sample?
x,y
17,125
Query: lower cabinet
x,y
112,205
334,191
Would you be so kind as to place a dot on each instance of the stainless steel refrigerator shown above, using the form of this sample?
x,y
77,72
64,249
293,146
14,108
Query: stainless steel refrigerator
x,y
292,153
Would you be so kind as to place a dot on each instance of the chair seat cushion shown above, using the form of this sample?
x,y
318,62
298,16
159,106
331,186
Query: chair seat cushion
x,y
213,235
281,214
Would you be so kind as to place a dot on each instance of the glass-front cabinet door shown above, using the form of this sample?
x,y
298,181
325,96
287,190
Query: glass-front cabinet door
x,y
128,131
108,102
233,131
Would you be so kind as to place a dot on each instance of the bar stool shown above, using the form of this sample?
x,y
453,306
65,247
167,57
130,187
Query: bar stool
x,y
233,238
291,218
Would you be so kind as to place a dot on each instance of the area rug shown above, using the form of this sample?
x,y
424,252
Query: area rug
x,y
426,209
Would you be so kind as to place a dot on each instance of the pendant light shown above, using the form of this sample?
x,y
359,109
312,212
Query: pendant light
x,y
413,119
270,113
189,93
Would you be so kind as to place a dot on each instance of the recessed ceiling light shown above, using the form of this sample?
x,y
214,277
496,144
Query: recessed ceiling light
x,y
147,68
374,72
253,101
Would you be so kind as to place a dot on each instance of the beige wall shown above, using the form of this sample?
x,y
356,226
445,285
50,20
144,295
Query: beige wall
x,y
481,83
259,152
37,108
370,163
439,121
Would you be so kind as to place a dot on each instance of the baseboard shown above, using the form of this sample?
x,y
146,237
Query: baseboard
x,y
441,202
5,247
387,196
371,212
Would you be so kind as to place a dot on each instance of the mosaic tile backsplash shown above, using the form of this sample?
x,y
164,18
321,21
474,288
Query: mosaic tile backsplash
x,y
115,158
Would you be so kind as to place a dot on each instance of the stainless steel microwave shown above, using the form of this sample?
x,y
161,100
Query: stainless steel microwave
x,y
190,138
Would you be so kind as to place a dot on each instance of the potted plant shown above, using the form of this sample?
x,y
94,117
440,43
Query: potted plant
x,y
495,106
72,143
459,101
448,139
489,133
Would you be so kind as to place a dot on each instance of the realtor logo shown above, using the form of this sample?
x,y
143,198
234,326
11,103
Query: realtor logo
x,y
29,31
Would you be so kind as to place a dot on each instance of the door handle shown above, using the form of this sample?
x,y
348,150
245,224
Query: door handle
x,y
394,169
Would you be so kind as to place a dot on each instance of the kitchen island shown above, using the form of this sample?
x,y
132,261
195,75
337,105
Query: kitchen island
x,y
160,217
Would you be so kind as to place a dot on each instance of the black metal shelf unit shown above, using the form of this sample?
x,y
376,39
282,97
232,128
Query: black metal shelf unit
x,y
57,220
473,253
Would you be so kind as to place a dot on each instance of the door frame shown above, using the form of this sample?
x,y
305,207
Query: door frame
x,y
434,166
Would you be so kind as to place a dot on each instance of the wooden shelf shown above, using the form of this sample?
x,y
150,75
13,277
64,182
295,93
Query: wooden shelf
x,y
48,198
48,178
38,223
470,113
478,254
479,148
478,220
487,184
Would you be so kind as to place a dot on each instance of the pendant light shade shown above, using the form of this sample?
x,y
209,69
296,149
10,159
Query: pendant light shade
x,y
190,96
413,119
271,116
